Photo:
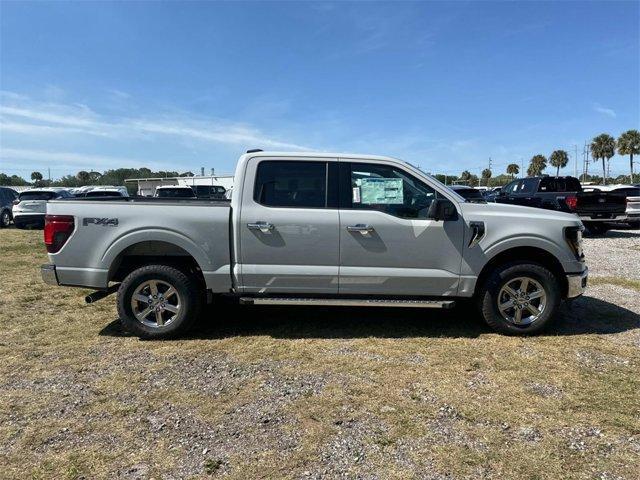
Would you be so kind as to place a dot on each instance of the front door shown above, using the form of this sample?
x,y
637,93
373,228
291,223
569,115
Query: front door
x,y
289,225
388,246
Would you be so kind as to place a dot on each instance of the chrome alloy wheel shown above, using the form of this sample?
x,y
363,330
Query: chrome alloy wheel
x,y
155,303
522,300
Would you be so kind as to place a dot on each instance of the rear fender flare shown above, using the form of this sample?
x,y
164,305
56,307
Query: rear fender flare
x,y
154,235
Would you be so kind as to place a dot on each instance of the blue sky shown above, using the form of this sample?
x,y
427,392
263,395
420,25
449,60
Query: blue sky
x,y
176,86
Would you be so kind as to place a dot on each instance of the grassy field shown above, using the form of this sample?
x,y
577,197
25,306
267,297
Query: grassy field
x,y
312,392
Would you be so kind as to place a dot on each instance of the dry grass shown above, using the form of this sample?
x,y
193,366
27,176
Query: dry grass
x,y
312,393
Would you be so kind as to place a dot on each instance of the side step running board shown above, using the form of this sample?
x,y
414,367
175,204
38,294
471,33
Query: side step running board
x,y
347,302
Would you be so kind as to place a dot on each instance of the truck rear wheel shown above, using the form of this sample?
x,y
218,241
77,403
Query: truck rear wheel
x,y
519,298
158,301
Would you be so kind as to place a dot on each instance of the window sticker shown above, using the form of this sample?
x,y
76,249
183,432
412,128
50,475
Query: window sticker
x,y
356,195
376,191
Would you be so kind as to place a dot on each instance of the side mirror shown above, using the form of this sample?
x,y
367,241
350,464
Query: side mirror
x,y
442,209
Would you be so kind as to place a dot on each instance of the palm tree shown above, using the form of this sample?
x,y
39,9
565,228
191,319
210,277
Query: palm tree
x,y
559,159
83,177
486,174
465,176
629,144
537,164
36,176
603,147
513,169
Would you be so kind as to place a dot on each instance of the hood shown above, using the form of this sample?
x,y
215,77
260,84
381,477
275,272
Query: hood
x,y
517,212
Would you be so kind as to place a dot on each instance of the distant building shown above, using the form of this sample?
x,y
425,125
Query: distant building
x,y
147,186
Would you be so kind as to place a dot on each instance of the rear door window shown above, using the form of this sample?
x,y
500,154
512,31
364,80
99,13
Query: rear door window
x,y
291,184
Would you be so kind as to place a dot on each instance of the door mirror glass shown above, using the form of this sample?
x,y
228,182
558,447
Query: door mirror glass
x,y
442,209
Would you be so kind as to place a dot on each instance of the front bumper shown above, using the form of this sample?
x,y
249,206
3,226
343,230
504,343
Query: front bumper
x,y
49,275
577,283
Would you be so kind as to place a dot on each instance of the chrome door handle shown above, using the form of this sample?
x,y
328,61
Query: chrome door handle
x,y
360,227
264,227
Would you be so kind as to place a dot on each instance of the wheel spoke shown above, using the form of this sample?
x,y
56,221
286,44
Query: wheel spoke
x,y
508,304
172,308
153,286
524,285
517,318
141,298
171,291
536,294
159,319
533,309
143,315
512,293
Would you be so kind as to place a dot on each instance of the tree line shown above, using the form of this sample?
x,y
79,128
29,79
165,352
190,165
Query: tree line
x,y
82,178
602,147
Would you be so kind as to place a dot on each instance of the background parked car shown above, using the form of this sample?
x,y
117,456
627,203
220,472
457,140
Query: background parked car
x,y
175,191
469,193
215,192
30,207
7,197
103,192
490,195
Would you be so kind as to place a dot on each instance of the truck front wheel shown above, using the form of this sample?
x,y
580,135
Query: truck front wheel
x,y
158,301
519,298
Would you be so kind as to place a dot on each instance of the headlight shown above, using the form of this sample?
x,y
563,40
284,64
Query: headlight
x,y
573,236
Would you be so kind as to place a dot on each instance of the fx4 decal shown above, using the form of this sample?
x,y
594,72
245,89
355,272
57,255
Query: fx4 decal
x,y
105,222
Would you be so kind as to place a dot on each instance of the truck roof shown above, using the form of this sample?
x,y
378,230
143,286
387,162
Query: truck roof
x,y
314,155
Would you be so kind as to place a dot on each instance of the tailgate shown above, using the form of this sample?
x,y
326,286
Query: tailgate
x,y
600,203
32,206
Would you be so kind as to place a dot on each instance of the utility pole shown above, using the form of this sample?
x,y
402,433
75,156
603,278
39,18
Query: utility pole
x,y
490,171
49,174
575,163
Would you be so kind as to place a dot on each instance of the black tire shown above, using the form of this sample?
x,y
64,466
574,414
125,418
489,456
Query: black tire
x,y
488,297
189,299
5,219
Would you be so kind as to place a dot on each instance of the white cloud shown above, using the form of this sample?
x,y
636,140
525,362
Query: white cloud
x,y
74,159
21,115
605,111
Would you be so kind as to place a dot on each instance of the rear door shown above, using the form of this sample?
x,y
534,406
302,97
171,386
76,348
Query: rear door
x,y
289,225
388,246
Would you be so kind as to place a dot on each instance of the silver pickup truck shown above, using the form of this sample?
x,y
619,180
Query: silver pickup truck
x,y
317,229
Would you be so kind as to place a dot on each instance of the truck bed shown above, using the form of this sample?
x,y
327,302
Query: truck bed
x,y
107,227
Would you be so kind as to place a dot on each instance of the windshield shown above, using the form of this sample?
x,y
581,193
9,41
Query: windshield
x,y
175,193
37,196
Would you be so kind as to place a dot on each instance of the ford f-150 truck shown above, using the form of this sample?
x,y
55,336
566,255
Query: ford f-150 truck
x,y
317,229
